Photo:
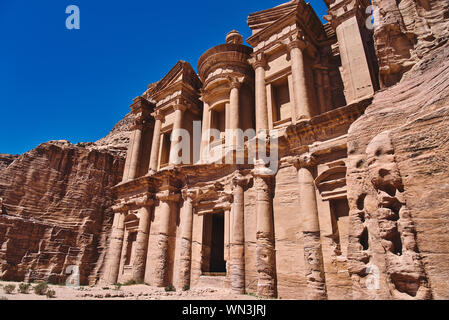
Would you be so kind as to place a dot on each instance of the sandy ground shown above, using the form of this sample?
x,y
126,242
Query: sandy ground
x,y
133,292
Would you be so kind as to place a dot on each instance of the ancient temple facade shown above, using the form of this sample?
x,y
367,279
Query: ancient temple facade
x,y
277,228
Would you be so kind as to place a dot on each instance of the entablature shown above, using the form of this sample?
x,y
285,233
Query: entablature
x,y
303,20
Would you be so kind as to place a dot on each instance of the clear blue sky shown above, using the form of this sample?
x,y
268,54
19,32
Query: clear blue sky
x,y
57,83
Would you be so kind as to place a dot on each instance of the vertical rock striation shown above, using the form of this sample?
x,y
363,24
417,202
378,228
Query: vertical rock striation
x,y
397,187
407,30
56,212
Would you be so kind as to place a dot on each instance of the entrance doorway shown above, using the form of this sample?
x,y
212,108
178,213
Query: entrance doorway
x,y
213,262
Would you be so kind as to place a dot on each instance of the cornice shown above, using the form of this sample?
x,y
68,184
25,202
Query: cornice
x,y
299,21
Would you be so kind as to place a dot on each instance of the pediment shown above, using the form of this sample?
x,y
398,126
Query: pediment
x,y
182,74
291,16
262,19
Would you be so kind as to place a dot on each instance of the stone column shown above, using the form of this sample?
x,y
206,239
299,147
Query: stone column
x,y
313,255
205,137
141,108
238,244
265,251
129,152
154,158
301,94
186,241
142,243
227,230
259,64
234,105
293,103
232,135
177,125
167,201
231,241
115,249
135,151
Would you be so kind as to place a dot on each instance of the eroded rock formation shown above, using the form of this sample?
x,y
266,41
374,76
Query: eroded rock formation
x,y
405,31
397,187
56,212
116,142
6,160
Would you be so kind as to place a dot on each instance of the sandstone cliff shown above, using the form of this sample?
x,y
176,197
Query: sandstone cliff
x,y
397,178
56,211
407,30
116,142
6,160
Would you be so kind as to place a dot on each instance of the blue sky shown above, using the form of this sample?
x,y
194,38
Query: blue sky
x,y
57,83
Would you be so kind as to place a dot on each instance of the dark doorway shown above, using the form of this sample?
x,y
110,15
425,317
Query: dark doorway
x,y
213,244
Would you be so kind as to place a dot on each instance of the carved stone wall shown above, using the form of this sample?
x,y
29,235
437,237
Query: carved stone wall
x,y
397,187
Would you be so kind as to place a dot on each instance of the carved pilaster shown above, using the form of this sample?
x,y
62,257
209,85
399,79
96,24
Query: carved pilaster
x,y
313,255
265,251
186,241
258,61
302,99
115,248
154,157
168,201
239,182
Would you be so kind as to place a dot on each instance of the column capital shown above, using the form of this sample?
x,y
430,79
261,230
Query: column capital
x,y
158,115
307,161
261,170
189,194
141,121
120,208
235,83
240,180
296,44
168,196
180,107
141,105
258,61
204,93
346,9
146,200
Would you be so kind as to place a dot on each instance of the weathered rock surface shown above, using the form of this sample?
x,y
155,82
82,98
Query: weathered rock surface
x,y
56,211
117,140
407,31
6,160
398,189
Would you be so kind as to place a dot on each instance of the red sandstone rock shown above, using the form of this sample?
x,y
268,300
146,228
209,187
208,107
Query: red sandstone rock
x,y
407,31
397,186
56,201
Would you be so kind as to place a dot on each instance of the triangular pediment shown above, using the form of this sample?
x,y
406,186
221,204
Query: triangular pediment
x,y
262,19
267,23
181,73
